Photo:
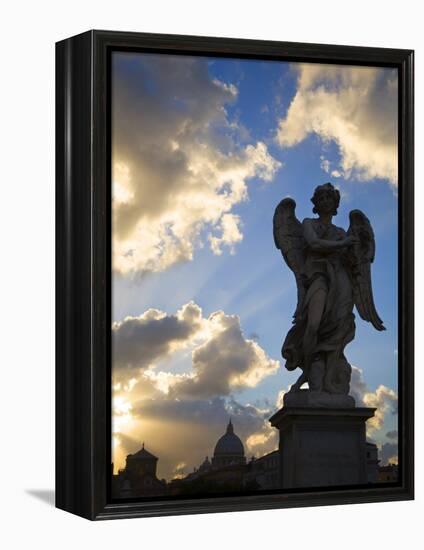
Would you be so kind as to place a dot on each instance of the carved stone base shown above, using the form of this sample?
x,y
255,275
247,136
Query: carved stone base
x,y
306,398
322,447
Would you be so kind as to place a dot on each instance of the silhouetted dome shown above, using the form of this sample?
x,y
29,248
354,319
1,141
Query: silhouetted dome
x,y
206,465
229,444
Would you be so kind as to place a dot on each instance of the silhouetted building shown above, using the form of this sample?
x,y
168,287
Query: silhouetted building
x,y
229,450
228,471
205,466
389,473
372,462
264,471
138,478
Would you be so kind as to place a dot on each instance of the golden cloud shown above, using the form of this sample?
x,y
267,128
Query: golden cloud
x,y
384,399
357,108
180,164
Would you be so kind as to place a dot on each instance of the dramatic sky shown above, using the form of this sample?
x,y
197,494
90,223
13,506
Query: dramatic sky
x,y
203,151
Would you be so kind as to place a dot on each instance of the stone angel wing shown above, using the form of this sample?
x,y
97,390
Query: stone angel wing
x,y
361,256
288,237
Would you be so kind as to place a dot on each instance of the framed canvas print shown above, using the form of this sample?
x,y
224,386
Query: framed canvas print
x,y
234,275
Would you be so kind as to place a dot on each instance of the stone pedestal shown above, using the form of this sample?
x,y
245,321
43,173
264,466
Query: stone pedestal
x,y
322,447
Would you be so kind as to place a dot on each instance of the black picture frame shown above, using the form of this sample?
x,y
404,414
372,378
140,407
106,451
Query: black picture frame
x,y
83,271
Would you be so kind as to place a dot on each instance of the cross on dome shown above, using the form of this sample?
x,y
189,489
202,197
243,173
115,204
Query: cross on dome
x,y
230,428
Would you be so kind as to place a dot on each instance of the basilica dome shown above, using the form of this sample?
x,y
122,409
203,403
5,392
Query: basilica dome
x,y
229,445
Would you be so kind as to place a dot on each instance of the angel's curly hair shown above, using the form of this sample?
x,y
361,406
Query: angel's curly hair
x,y
326,187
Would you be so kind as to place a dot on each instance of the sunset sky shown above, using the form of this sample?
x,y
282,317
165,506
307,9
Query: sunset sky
x,y
203,149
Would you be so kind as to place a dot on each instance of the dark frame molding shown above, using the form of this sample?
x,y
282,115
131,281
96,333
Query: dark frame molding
x,y
83,260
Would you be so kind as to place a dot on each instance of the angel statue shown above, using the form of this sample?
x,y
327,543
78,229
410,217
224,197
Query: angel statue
x,y
333,273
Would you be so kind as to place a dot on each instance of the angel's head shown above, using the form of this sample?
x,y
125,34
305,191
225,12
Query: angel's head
x,y
326,199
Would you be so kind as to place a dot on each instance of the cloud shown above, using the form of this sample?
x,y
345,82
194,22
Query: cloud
x,y
262,441
226,361
358,387
389,449
325,165
180,163
230,234
389,453
384,399
354,107
140,341
221,358
393,434
179,471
